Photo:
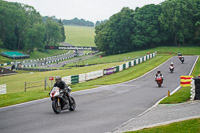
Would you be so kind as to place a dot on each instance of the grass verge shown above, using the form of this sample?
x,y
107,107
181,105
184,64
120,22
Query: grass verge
x,y
188,126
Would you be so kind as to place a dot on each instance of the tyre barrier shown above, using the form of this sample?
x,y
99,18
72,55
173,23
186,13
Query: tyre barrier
x,y
195,90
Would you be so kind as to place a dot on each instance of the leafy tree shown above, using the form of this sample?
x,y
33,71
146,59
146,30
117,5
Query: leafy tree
x,y
176,18
147,29
35,37
53,32
62,30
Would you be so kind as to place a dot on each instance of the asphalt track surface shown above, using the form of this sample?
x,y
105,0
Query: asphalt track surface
x,y
99,110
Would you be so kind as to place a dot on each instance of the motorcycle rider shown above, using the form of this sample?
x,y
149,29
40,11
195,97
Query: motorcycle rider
x,y
172,64
63,86
179,54
159,74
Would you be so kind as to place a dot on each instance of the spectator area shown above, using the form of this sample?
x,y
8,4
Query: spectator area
x,y
14,55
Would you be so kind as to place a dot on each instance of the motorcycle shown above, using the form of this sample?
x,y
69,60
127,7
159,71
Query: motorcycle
x,y
182,60
61,102
171,68
159,81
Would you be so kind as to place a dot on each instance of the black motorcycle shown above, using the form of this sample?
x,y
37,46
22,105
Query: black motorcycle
x,y
60,101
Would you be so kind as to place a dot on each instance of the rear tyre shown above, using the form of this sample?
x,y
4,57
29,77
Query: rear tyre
x,y
73,104
55,107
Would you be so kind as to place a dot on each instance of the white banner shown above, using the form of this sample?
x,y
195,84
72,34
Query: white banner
x,y
132,63
3,89
145,58
136,61
127,65
121,68
67,79
140,60
82,78
93,75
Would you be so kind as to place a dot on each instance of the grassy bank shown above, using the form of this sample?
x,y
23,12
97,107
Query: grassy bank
x,y
183,94
80,36
188,126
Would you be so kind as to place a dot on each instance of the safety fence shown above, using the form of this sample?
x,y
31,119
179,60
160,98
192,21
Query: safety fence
x,y
47,83
96,74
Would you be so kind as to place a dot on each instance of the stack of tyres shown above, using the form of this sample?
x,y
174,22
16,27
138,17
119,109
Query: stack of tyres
x,y
197,88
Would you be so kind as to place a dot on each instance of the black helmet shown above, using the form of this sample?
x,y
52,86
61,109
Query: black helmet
x,y
57,78
158,71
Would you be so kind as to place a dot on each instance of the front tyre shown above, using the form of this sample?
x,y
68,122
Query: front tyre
x,y
55,107
73,104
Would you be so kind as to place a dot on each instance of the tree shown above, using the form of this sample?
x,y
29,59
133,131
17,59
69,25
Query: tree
x,y
176,19
53,32
147,30
114,36
35,37
62,30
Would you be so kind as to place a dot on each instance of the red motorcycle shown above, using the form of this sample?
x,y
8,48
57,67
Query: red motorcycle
x,y
159,81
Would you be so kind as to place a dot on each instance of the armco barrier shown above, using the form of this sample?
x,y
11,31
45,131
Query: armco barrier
x,y
96,74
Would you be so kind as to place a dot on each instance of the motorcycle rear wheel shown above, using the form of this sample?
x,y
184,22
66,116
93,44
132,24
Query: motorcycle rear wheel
x,y
55,107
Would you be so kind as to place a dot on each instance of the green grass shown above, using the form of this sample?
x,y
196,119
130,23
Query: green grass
x,y
188,126
180,96
80,36
183,94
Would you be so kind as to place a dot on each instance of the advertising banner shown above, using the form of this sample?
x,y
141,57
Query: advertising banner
x,y
109,71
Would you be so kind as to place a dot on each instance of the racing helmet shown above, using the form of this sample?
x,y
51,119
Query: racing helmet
x,y
57,78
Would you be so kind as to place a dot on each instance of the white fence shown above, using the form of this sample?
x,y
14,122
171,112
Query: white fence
x,y
3,89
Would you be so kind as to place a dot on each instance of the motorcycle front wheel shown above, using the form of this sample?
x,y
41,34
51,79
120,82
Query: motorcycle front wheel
x,y
73,104
55,107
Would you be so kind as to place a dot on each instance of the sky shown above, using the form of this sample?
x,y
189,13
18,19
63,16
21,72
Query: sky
x,y
91,10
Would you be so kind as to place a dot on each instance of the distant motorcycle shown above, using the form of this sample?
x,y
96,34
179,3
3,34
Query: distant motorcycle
x,y
171,68
159,81
182,59
59,102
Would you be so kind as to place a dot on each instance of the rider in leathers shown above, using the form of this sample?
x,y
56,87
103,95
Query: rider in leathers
x,y
62,85
159,74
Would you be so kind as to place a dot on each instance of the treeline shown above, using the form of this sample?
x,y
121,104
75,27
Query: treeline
x,y
78,22
74,22
171,23
22,28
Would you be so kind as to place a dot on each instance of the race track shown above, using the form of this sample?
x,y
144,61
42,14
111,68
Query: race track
x,y
98,110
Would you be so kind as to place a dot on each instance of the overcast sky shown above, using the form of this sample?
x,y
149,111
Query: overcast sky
x,y
91,10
